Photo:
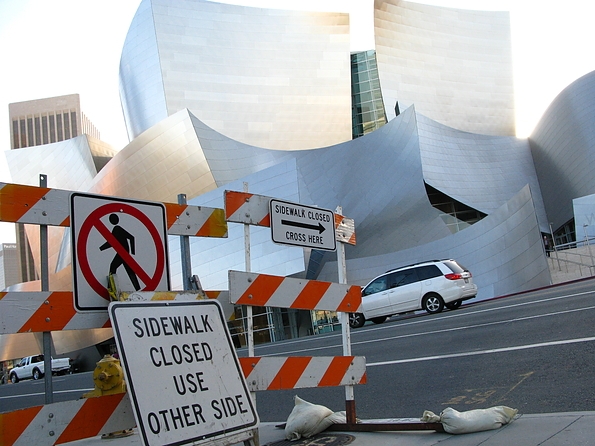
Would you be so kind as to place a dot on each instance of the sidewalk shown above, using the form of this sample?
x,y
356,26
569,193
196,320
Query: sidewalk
x,y
557,429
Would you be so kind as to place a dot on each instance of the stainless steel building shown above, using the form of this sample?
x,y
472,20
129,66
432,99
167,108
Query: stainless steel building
x,y
421,186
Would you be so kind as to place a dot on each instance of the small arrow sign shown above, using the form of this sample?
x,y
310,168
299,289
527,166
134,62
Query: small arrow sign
x,y
298,225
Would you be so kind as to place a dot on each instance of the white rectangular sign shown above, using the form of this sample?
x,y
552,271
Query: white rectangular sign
x,y
305,226
182,371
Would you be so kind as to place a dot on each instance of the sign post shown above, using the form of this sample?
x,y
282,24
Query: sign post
x,y
122,236
183,374
305,226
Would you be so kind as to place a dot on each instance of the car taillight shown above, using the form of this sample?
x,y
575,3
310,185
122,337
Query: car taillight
x,y
453,276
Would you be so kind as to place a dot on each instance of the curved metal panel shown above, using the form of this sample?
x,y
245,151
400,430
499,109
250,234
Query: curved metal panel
x,y
504,252
271,78
455,65
481,171
563,147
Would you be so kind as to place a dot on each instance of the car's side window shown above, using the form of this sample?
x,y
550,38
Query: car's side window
x,y
402,278
428,272
375,286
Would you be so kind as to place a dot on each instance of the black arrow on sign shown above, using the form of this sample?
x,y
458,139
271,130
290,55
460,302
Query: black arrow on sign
x,y
297,224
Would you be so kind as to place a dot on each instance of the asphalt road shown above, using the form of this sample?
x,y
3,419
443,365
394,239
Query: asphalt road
x,y
534,352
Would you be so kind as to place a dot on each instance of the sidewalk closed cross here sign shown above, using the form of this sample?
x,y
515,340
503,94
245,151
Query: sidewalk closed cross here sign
x,y
116,236
183,374
305,226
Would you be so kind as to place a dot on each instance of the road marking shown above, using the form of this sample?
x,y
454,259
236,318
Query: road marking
x,y
482,352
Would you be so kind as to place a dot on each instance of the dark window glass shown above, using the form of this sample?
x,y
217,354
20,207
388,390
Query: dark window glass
x,y
401,278
73,127
59,127
455,267
428,272
23,134
15,134
66,126
44,127
37,132
30,138
52,128
375,286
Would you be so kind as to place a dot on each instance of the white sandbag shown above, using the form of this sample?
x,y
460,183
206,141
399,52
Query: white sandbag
x,y
476,420
307,419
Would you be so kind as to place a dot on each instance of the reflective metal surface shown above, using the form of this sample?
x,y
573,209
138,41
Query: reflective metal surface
x,y
455,65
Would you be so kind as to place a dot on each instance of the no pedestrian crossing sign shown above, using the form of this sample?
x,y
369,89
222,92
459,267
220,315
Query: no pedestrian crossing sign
x,y
305,226
182,371
118,236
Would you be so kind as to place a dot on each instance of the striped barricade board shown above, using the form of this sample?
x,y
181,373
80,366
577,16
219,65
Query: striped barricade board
x,y
243,207
284,292
345,229
68,421
31,311
24,311
298,372
44,206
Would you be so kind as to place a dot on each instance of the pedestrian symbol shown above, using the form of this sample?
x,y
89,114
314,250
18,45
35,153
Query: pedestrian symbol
x,y
116,236
125,241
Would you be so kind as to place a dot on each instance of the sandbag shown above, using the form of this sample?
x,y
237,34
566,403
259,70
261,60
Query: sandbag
x,y
307,419
476,420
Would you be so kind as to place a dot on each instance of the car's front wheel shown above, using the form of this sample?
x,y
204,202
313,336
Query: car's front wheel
x,y
453,305
433,303
14,378
356,320
37,374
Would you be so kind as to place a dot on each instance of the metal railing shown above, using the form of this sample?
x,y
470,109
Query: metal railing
x,y
573,257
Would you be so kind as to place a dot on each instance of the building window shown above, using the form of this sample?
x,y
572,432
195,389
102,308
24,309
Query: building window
x,y
73,126
52,128
23,133
367,107
15,135
66,126
59,127
455,214
44,127
37,132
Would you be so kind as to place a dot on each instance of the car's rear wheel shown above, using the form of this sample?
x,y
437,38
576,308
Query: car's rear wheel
x,y
37,374
453,305
379,319
356,320
432,303
14,378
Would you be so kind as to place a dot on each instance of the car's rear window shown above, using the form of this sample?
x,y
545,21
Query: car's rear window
x,y
428,271
455,266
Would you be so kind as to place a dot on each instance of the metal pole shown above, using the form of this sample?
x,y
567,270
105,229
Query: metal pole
x,y
249,314
185,253
45,286
555,248
589,247
345,331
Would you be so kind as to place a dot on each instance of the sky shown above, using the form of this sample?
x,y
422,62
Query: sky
x,y
58,47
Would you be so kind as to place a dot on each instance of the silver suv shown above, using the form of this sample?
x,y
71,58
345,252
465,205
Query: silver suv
x,y
429,286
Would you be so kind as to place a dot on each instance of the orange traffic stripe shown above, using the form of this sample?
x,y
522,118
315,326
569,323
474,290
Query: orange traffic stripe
x,y
91,417
290,373
13,424
214,226
16,200
235,200
248,365
351,301
261,290
310,295
54,315
336,370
